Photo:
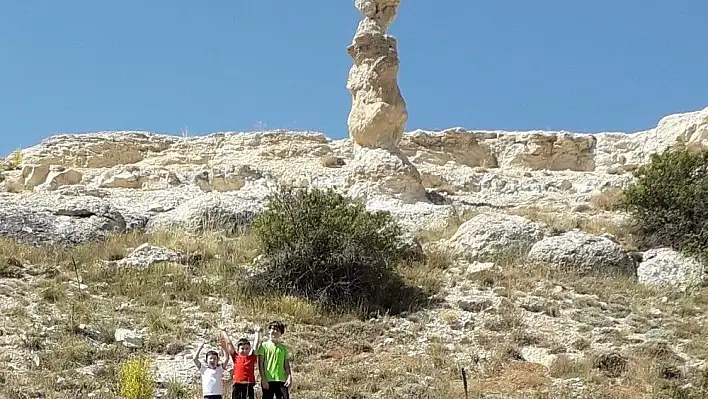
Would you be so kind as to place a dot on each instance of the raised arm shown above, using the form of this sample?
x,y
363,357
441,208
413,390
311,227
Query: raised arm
x,y
226,345
196,356
256,340
227,357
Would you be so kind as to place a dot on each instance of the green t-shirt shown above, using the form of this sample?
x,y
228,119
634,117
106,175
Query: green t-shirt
x,y
274,356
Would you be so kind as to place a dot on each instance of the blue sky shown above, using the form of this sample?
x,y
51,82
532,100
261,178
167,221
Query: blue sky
x,y
217,65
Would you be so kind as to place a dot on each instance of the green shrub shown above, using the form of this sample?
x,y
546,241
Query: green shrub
x,y
669,200
136,379
324,247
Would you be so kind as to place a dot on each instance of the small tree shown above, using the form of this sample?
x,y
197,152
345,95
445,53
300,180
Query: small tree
x,y
669,200
136,379
327,248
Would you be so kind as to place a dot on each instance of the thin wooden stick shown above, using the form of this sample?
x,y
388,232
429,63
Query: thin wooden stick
x,y
464,382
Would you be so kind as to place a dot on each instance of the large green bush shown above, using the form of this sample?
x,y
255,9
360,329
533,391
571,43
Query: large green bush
x,y
669,200
324,247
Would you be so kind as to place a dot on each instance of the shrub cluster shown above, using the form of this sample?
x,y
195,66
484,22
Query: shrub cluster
x,y
327,248
669,201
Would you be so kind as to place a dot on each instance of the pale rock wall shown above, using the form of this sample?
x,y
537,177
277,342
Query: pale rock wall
x,y
292,156
610,152
431,177
96,150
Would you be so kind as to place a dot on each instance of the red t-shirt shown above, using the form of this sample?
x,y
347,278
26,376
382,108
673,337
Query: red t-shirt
x,y
244,368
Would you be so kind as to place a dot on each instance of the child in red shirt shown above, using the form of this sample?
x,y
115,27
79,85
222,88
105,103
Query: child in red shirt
x,y
245,361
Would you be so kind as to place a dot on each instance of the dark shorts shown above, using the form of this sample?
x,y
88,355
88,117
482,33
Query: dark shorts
x,y
243,391
276,389
213,397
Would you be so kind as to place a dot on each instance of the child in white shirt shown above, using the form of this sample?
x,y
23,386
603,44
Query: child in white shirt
x,y
212,373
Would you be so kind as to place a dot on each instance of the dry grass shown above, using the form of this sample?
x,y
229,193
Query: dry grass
x,y
592,223
645,375
607,200
335,355
517,378
653,370
81,307
561,222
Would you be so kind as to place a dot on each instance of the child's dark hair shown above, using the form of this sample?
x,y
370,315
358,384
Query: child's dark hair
x,y
206,357
241,342
278,325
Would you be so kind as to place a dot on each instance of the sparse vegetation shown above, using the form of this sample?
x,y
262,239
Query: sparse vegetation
x,y
12,161
669,201
326,346
68,316
173,302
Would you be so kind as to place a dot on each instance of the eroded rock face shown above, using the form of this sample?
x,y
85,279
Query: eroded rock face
x,y
63,221
135,177
551,152
378,115
62,177
227,178
96,150
555,151
379,171
34,175
427,173
454,145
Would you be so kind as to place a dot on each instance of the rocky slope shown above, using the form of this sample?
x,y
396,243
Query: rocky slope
x,y
528,245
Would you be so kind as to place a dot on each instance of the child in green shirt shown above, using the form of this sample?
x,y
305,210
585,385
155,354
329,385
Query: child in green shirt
x,y
274,364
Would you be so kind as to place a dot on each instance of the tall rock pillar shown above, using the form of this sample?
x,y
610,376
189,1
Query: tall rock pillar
x,y
378,115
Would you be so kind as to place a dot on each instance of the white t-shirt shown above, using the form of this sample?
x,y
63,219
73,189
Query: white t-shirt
x,y
211,380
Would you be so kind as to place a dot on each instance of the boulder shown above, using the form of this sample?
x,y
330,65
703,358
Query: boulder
x,y
495,236
147,255
582,253
665,267
129,339
64,221
419,217
377,172
208,212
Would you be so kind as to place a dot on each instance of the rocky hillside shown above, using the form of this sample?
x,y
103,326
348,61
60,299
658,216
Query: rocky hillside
x,y
122,242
